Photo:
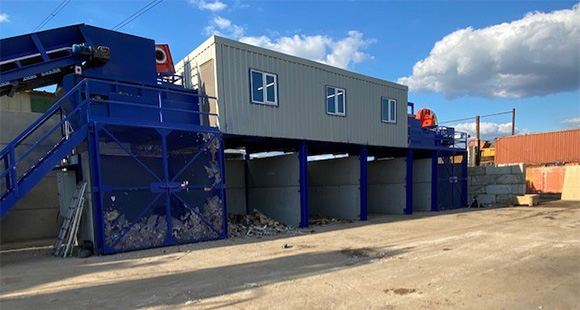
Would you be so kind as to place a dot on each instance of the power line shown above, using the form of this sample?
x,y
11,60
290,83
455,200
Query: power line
x,y
52,15
135,15
481,116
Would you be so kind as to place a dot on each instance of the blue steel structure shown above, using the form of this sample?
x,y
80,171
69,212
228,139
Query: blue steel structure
x,y
156,173
448,152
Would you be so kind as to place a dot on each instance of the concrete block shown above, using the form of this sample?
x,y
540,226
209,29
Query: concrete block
x,y
511,179
387,198
507,199
280,203
518,189
484,180
476,170
485,199
498,170
387,171
276,171
341,171
519,168
421,197
341,202
476,189
527,200
498,189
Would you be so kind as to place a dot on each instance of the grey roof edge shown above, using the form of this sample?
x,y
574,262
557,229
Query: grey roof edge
x,y
303,61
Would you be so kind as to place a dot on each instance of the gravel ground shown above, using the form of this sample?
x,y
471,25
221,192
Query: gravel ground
x,y
508,258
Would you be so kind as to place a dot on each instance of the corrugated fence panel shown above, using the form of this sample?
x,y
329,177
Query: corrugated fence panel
x,y
539,148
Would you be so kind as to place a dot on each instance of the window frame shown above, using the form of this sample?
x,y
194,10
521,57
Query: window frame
x,y
336,113
389,102
276,101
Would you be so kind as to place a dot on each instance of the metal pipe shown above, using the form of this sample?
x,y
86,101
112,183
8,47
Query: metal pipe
x,y
477,157
513,121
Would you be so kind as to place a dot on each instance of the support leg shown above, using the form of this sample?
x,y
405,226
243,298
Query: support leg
x,y
434,181
363,183
464,184
409,183
303,159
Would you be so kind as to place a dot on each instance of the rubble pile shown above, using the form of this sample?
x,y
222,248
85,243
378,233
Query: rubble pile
x,y
255,224
318,219
151,230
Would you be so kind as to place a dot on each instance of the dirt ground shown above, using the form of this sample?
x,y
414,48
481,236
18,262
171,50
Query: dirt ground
x,y
509,258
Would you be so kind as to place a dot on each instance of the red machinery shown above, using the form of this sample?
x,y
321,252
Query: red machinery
x,y
427,118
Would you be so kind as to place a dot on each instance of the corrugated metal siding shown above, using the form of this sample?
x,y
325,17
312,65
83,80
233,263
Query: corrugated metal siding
x,y
301,113
540,148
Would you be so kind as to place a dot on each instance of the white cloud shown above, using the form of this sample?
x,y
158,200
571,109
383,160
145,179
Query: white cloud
x,y
342,53
488,130
572,122
533,56
4,18
224,27
214,6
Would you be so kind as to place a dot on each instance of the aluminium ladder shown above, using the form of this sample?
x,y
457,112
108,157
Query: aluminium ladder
x,y
70,226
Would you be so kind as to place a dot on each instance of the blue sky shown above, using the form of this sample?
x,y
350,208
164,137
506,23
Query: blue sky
x,y
384,39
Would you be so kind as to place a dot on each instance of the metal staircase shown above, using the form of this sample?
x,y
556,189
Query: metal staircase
x,y
18,178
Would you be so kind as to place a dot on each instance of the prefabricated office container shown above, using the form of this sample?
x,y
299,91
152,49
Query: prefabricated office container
x,y
222,68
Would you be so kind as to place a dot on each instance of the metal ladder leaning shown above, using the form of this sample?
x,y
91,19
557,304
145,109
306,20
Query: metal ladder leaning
x,y
70,226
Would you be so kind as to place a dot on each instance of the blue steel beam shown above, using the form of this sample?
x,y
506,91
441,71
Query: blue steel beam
x,y
363,183
409,183
303,160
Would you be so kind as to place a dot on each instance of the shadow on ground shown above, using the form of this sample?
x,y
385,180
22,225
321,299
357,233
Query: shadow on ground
x,y
181,288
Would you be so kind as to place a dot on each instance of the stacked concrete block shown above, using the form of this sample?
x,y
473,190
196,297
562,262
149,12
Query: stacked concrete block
x,y
334,188
387,186
493,185
236,186
273,187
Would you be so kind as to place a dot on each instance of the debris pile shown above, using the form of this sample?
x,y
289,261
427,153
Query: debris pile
x,y
255,224
318,219
151,230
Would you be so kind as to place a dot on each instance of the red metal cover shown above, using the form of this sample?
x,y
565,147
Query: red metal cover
x,y
539,148
163,59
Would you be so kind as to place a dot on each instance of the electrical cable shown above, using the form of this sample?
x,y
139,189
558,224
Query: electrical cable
x,y
135,15
52,15
481,116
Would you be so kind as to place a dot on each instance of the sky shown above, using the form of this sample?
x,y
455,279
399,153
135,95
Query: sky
x,y
459,58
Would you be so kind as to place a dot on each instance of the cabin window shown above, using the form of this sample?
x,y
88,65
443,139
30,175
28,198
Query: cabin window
x,y
335,101
264,87
388,110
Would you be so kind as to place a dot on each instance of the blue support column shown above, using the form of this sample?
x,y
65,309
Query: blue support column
x,y
169,239
409,183
464,184
223,190
97,194
434,181
303,159
364,154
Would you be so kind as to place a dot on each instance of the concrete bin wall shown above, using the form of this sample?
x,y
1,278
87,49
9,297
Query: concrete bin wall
x,y
422,184
236,186
333,188
273,187
35,216
386,186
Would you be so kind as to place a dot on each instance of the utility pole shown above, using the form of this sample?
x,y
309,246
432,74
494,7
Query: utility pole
x,y
513,121
477,155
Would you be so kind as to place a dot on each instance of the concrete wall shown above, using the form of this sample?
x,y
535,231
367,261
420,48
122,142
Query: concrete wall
x,y
274,187
235,186
334,188
386,186
35,216
496,185
422,184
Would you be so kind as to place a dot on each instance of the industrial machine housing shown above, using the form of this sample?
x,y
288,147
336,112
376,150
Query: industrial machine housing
x,y
152,147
